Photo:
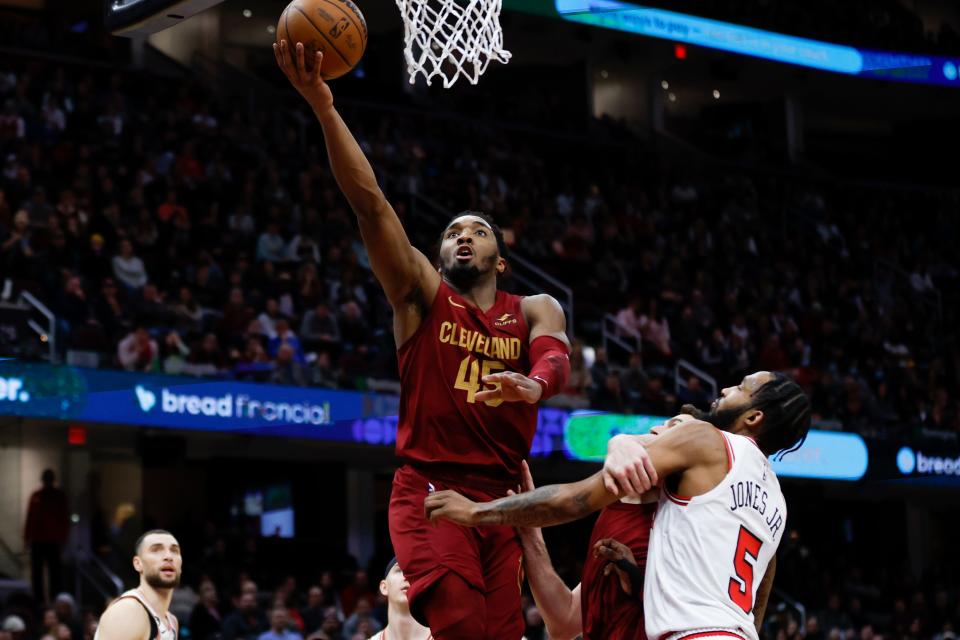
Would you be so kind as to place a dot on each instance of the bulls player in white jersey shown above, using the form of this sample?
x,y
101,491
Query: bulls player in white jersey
x,y
144,613
721,516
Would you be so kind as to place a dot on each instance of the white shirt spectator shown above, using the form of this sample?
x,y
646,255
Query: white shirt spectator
x,y
128,268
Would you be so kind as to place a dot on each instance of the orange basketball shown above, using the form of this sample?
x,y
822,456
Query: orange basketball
x,y
334,27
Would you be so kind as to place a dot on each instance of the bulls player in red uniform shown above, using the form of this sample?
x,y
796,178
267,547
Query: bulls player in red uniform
x,y
474,362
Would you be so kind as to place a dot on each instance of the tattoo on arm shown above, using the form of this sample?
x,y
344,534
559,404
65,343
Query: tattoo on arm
x,y
542,507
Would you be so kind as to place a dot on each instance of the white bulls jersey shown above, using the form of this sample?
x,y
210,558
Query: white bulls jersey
x,y
709,553
161,628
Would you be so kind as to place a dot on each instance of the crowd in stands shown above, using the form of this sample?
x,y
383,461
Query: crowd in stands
x,y
184,235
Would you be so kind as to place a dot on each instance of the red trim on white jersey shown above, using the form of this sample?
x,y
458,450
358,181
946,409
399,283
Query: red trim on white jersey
x,y
680,500
731,458
706,634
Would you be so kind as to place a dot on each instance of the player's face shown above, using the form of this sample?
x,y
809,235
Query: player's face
x,y
159,561
733,401
395,586
469,249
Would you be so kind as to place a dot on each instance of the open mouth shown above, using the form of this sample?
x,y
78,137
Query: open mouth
x,y
464,254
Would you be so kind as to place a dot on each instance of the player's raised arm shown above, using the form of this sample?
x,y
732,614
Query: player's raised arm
x,y
559,605
402,270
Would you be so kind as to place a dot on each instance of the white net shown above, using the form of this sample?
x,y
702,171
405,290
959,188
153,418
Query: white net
x,y
451,38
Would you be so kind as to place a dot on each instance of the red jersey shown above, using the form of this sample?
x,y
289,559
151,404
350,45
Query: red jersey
x,y
607,612
441,368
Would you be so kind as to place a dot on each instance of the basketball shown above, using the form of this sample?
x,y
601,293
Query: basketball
x,y
334,27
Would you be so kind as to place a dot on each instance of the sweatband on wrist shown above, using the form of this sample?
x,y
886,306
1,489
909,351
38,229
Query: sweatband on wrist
x,y
551,365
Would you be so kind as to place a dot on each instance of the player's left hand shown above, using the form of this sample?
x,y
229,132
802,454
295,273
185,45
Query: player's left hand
x,y
450,505
510,386
616,553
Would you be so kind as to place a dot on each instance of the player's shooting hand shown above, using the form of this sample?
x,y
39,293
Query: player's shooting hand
x,y
627,469
449,505
310,84
620,559
510,386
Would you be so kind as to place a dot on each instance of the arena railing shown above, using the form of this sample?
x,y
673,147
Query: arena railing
x,y
90,570
615,332
685,366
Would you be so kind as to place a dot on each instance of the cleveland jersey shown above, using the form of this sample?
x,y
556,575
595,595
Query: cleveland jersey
x,y
709,553
441,370
606,611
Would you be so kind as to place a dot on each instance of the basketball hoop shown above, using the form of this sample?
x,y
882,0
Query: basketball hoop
x,y
451,38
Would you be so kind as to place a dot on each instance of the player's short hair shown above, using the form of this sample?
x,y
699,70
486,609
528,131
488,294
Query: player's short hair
x,y
136,547
786,415
497,231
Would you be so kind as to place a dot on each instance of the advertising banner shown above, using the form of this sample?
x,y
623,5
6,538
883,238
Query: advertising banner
x,y
39,390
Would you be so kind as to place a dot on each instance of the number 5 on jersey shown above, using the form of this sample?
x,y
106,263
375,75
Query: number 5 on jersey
x,y
741,586
470,375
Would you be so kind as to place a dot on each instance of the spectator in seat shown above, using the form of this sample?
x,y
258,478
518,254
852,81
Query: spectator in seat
x,y
128,268
313,613
286,368
284,336
110,309
353,326
206,619
270,245
247,622
94,263
17,255
361,620
279,620
655,329
138,351
320,329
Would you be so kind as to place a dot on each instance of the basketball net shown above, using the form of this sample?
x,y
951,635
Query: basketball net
x,y
451,38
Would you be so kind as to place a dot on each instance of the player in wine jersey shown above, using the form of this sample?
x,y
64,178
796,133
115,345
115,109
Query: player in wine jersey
x,y
474,361
144,613
720,520
607,604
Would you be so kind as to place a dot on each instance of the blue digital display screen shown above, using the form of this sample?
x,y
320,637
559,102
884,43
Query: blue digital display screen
x,y
758,43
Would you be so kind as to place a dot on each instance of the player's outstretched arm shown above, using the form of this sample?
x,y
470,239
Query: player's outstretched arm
x,y
763,593
558,604
400,268
125,620
544,507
